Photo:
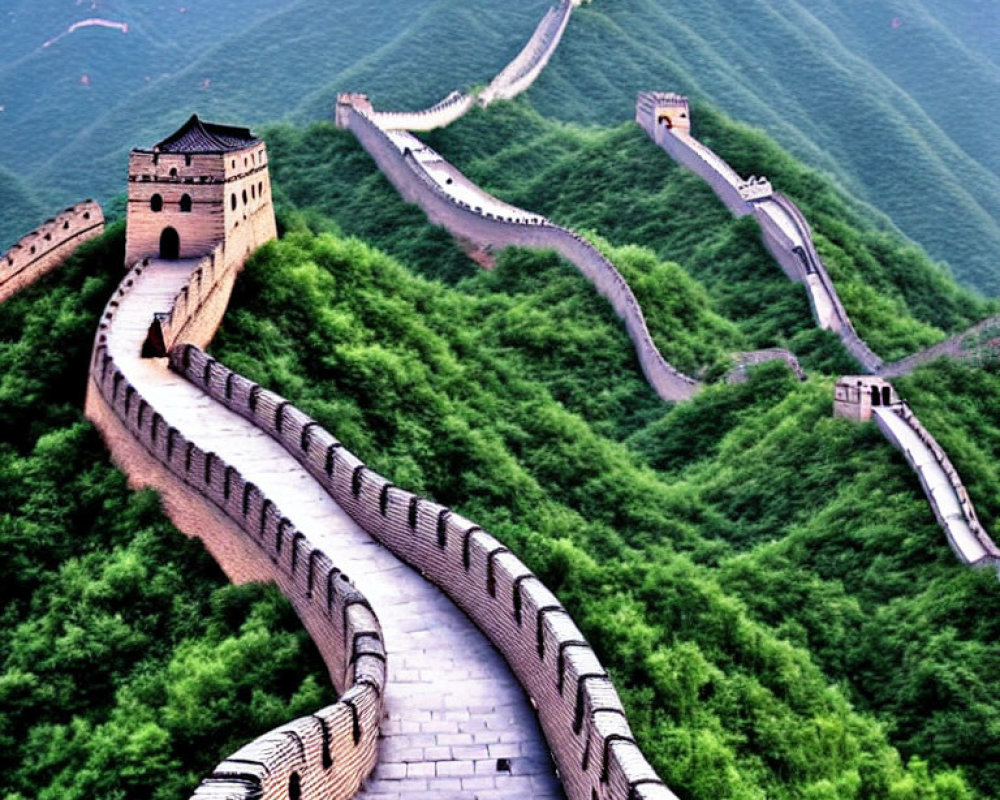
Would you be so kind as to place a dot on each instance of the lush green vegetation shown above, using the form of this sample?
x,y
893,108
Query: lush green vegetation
x,y
747,566
616,182
899,103
128,667
767,584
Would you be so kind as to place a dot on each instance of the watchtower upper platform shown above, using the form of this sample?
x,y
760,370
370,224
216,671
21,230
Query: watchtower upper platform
x,y
195,190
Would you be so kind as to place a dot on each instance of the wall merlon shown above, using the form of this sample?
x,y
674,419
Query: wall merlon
x,y
48,246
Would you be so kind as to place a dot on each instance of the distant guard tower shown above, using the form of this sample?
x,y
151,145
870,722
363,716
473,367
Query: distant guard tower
x,y
854,396
663,108
204,186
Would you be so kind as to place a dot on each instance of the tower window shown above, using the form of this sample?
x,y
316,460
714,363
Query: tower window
x,y
156,203
232,201
173,172
186,203
244,197
253,191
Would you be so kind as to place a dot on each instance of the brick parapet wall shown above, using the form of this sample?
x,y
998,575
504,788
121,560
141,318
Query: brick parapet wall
x,y
327,754
48,246
581,715
753,196
966,346
441,114
527,65
904,412
738,374
464,222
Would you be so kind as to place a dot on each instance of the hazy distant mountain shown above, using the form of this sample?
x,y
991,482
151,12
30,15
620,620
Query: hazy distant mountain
x,y
20,210
898,100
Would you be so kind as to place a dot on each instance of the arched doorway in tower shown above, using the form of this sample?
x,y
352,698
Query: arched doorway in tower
x,y
170,244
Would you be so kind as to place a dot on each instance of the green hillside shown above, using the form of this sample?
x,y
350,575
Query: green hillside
x,y
767,585
900,115
897,103
616,182
816,525
21,211
128,666
687,552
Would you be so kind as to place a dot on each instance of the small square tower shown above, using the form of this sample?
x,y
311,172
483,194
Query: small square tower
x,y
854,396
194,191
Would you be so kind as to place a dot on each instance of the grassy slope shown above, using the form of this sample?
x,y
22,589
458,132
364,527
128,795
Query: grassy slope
x,y
801,72
128,666
815,524
617,183
440,388
873,105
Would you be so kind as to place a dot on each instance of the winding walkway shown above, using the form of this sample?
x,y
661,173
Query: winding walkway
x,y
454,708
942,485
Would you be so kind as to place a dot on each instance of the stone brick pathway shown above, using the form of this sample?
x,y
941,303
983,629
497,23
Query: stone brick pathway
x,y
458,723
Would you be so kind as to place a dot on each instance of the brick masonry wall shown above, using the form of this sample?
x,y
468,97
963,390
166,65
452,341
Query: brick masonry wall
x,y
441,114
729,187
581,715
905,413
329,753
48,246
465,222
521,73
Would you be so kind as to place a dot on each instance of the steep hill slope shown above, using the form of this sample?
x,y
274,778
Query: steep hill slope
x,y
868,95
22,212
128,665
900,114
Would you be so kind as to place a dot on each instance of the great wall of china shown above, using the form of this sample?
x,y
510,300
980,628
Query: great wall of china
x,y
666,118
428,707
48,246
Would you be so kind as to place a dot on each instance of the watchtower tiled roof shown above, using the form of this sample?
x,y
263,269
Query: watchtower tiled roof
x,y
195,136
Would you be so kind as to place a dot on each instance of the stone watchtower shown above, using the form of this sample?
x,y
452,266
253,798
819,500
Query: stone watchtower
x,y
854,396
663,108
203,186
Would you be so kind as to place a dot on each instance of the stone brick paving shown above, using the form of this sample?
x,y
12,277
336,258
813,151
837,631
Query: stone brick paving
x,y
458,723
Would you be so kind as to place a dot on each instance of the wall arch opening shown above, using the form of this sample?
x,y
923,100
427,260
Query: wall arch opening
x,y
876,396
665,120
186,203
156,203
170,244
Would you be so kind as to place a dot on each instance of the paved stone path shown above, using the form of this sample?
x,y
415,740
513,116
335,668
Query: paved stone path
x,y
458,724
942,493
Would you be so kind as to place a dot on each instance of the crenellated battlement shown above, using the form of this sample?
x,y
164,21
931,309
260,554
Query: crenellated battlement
x,y
48,246
579,709
252,539
453,201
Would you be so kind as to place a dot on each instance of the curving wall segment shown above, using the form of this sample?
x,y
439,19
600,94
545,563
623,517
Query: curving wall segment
x,y
975,346
517,77
746,360
527,65
48,246
452,201
942,484
579,709
784,230
439,115
329,753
